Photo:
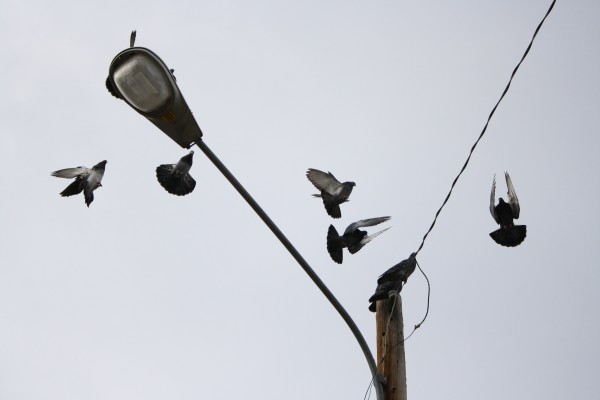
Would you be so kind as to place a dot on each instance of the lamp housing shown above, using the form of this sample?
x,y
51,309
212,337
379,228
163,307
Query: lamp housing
x,y
141,79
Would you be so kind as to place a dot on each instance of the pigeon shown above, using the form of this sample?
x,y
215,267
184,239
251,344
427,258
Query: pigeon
x,y
132,39
393,279
382,292
400,271
175,178
509,234
353,238
86,180
333,192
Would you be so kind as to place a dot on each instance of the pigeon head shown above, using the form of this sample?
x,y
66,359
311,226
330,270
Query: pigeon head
x,y
351,183
100,165
188,157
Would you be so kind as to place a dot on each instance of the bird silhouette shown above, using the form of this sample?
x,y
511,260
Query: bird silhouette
x,y
86,180
132,39
509,234
393,279
175,178
333,192
401,271
382,292
353,238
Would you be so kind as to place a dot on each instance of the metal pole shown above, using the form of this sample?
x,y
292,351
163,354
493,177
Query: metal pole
x,y
378,379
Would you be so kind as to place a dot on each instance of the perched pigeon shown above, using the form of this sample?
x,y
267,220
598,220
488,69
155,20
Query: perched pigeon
x,y
86,180
333,192
401,271
509,234
175,178
132,39
393,279
382,292
353,238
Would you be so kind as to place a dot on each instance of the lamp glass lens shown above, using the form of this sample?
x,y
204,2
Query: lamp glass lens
x,y
143,83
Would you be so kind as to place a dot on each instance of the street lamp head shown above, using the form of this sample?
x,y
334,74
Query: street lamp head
x,y
141,79
143,84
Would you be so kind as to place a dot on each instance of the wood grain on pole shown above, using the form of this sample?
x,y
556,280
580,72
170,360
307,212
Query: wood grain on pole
x,y
390,347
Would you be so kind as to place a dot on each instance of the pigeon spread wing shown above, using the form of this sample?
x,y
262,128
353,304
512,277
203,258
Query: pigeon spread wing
x,y
323,181
71,173
512,197
493,201
365,222
355,248
74,188
163,174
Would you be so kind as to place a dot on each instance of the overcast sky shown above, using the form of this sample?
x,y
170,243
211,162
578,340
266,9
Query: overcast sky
x,y
150,296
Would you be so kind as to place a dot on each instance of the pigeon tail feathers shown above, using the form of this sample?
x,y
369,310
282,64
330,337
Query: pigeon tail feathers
x,y
510,236
88,193
333,210
331,205
334,245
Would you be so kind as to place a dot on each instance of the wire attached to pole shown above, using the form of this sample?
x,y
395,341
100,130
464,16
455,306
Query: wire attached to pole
x,y
367,394
486,124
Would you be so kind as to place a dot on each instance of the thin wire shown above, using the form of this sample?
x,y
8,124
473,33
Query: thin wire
x,y
428,297
395,295
487,123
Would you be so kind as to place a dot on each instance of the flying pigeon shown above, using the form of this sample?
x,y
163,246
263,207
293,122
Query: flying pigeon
x,y
86,180
393,279
175,178
333,192
509,234
353,238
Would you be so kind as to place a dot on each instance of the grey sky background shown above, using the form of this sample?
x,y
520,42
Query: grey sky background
x,y
148,296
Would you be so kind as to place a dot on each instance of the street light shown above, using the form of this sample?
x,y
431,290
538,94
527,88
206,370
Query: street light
x,y
140,78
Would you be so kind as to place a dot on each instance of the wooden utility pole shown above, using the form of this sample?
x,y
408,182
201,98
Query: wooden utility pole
x,y
390,347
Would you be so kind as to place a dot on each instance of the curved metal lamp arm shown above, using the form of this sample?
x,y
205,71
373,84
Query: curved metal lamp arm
x,y
378,379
